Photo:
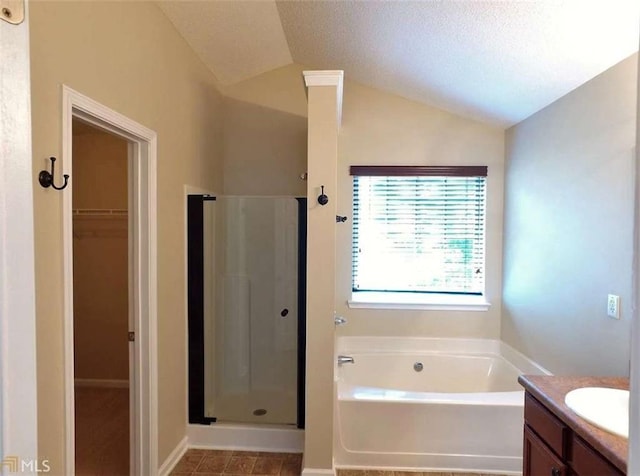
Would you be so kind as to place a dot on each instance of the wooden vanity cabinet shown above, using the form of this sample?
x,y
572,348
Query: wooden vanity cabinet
x,y
538,457
551,448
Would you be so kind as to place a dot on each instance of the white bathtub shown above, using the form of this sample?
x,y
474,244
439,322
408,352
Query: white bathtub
x,y
463,411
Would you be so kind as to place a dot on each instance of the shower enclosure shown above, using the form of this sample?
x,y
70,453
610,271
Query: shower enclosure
x,y
246,291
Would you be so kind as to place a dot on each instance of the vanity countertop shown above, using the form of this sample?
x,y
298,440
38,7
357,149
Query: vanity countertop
x,y
550,390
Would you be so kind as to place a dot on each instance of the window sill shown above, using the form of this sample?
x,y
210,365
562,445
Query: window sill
x,y
408,301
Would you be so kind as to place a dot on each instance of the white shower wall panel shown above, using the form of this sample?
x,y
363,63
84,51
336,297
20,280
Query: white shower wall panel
x,y
256,305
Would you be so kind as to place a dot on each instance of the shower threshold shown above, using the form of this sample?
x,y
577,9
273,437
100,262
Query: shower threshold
x,y
247,437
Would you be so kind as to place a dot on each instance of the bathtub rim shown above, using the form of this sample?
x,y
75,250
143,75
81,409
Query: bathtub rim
x,y
436,345
423,346
361,394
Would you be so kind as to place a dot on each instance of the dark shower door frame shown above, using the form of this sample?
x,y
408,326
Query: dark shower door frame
x,y
195,308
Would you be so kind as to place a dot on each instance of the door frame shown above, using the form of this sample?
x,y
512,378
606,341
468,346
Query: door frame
x,y
18,384
143,388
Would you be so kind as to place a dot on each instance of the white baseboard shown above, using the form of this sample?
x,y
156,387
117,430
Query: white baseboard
x,y
246,438
173,458
96,382
318,472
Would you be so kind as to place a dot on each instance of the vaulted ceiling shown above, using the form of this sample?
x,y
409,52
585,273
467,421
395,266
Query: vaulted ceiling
x,y
497,61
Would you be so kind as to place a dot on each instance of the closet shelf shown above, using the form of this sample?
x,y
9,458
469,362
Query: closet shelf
x,y
100,223
99,212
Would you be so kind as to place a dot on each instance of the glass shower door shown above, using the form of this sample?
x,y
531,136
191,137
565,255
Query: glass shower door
x,y
251,307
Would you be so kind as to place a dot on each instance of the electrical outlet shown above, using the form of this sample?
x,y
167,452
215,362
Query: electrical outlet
x,y
613,306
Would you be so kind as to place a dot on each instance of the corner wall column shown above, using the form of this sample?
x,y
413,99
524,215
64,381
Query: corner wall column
x,y
324,94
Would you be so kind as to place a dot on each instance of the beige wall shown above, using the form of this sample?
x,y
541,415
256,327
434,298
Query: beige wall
x,y
280,90
99,169
569,227
100,252
265,150
265,134
132,60
100,300
384,129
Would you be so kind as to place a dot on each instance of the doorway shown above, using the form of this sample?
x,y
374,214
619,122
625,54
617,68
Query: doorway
x,y
133,221
101,302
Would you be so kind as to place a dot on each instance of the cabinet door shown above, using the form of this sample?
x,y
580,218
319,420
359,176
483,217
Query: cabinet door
x,y
539,460
586,461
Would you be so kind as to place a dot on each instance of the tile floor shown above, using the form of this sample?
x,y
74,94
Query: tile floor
x,y
238,463
244,463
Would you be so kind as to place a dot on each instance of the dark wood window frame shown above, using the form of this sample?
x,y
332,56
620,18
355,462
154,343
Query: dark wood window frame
x,y
419,170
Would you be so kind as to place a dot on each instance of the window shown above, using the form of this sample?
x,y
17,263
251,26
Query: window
x,y
419,230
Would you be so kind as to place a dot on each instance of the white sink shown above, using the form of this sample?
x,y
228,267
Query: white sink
x,y
606,408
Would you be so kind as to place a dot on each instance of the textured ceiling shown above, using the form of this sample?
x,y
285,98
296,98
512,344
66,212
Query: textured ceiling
x,y
497,61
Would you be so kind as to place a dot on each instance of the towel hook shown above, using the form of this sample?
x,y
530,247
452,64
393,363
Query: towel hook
x,y
46,179
322,198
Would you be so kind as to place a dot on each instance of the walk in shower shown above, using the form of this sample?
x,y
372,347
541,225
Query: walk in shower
x,y
246,260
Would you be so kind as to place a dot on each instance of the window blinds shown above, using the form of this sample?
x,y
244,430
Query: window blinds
x,y
419,233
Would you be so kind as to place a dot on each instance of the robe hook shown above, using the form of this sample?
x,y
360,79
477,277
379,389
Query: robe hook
x,y
322,198
46,179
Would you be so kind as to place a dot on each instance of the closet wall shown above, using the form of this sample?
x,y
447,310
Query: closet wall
x,y
100,271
